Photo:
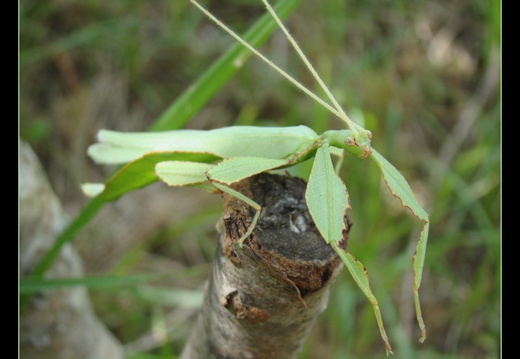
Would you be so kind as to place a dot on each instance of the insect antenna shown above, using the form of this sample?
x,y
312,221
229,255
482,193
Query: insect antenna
x,y
337,110
341,113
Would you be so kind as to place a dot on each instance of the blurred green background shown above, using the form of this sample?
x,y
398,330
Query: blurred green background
x,y
423,76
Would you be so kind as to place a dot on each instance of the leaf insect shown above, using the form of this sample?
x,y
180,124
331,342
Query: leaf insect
x,y
227,155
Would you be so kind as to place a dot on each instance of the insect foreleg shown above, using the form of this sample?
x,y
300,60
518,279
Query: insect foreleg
x,y
236,169
247,200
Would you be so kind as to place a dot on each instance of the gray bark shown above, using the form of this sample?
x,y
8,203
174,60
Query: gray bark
x,y
58,324
262,299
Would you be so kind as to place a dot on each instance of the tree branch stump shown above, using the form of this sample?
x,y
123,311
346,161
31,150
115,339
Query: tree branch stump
x,y
262,299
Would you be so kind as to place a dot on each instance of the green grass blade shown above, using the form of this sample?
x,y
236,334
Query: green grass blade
x,y
32,285
79,221
86,214
185,298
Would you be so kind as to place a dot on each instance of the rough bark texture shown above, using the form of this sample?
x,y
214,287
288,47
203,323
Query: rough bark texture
x,y
263,298
58,324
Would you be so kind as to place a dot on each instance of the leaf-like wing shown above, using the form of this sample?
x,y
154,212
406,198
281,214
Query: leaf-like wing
x,y
182,173
237,168
227,142
326,196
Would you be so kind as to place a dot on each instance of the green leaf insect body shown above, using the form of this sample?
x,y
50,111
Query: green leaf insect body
x,y
221,157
